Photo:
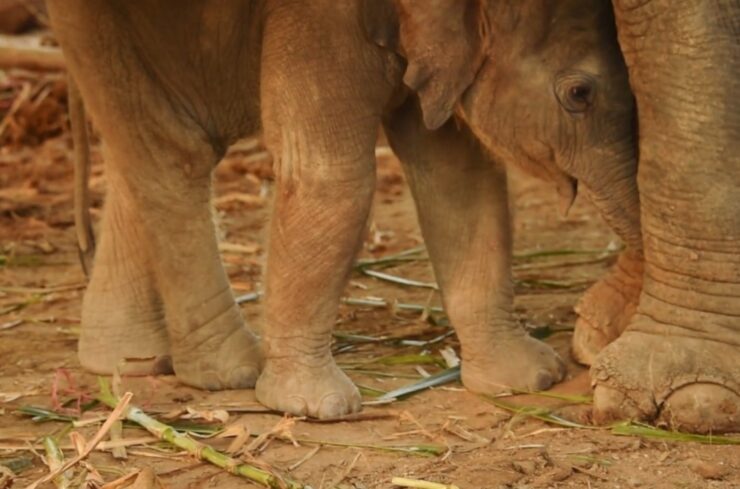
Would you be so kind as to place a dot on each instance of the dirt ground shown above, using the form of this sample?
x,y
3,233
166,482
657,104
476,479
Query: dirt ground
x,y
480,445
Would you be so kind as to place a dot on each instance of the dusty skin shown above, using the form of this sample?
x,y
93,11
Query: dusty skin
x,y
490,448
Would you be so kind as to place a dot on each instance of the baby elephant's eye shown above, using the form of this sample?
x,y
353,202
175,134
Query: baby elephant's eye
x,y
580,93
575,93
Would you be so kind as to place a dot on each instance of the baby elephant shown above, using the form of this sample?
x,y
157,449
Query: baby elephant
x,y
459,86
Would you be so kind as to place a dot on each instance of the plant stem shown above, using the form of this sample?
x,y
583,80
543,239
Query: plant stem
x,y
55,459
199,450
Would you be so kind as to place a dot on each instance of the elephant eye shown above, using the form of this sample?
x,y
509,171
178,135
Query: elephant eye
x,y
575,93
580,94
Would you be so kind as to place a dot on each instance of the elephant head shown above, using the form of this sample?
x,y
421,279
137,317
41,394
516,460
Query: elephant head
x,y
541,84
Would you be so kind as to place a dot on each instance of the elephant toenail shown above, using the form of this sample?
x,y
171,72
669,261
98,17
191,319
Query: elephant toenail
x,y
162,365
296,406
243,377
543,380
332,406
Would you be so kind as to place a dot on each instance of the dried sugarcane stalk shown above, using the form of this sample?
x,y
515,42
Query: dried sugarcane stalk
x,y
196,448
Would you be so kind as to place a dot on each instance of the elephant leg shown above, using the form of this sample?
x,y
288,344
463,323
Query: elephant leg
x,y
320,124
606,308
122,312
678,362
160,241
463,209
166,182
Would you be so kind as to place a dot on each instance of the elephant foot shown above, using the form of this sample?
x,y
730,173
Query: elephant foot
x,y
522,363
123,329
219,354
318,389
681,382
607,307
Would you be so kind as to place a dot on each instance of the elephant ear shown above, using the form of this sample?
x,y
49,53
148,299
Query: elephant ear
x,y
444,43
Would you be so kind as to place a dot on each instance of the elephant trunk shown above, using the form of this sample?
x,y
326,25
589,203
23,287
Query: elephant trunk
x,y
612,187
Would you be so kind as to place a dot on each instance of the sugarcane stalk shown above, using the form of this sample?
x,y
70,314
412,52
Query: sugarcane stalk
x,y
55,459
196,448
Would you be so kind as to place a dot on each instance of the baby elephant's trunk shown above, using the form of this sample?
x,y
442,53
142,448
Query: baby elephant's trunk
x,y
613,190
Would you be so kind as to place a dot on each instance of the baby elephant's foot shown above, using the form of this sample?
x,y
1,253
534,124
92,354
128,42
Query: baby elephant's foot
x,y
683,382
522,363
607,307
318,389
220,354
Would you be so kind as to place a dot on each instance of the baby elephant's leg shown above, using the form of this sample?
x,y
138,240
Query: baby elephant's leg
x,y
321,113
463,209
159,261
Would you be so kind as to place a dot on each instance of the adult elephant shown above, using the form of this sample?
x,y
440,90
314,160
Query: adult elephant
x,y
679,359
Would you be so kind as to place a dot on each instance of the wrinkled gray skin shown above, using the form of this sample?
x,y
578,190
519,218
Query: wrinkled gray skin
x,y
679,359
171,84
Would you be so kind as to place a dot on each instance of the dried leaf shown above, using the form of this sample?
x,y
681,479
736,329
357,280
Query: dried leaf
x,y
220,415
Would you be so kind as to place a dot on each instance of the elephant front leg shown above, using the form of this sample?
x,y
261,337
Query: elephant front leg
x,y
319,218
463,210
607,307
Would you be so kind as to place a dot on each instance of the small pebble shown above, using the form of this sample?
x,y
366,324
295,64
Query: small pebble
x,y
708,470
525,467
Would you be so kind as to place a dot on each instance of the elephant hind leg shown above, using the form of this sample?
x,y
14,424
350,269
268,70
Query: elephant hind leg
x,y
158,262
158,283
122,312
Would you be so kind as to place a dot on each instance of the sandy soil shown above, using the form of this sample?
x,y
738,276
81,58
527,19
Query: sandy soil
x,y
482,446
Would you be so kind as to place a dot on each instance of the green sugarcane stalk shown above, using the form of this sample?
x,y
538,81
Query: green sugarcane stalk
x,y
55,458
199,450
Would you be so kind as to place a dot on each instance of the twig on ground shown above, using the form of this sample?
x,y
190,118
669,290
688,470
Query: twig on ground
x,y
346,471
305,458
420,484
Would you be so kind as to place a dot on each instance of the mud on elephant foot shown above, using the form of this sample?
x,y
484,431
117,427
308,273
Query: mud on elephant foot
x,y
685,383
318,389
607,307
519,363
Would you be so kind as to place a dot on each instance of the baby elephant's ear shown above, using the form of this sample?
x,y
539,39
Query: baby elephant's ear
x,y
443,41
